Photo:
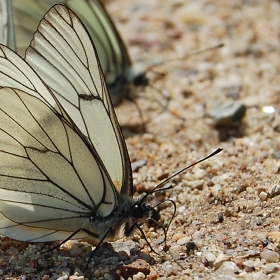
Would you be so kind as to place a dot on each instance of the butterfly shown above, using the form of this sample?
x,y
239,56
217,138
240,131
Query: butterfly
x,y
65,171
121,77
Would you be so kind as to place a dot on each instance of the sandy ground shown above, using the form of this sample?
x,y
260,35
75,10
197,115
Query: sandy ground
x,y
228,205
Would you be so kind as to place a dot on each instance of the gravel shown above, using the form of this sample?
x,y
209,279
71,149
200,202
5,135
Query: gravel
x,y
242,183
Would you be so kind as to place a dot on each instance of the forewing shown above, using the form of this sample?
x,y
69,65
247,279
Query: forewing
x,y
112,52
63,55
110,47
51,183
6,24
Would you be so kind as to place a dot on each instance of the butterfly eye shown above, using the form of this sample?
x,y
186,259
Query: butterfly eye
x,y
141,80
138,211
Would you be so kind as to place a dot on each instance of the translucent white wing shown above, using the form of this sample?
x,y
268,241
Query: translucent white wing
x,y
7,36
51,182
63,55
54,176
3,22
116,64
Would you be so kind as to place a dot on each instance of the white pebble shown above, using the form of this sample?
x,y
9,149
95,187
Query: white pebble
x,y
263,196
199,173
184,240
228,268
271,268
216,189
210,259
221,259
270,256
139,276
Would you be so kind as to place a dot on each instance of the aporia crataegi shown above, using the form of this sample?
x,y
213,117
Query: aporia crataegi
x,y
64,162
65,170
121,77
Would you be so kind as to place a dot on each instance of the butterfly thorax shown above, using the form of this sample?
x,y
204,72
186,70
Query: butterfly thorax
x,y
121,222
124,86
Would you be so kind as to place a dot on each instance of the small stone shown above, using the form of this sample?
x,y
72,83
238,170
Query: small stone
x,y
123,246
239,262
136,165
184,240
221,259
76,277
153,275
139,276
191,246
210,258
232,82
228,114
228,268
263,196
268,163
271,268
220,217
251,101
269,256
197,184
216,189
199,173
177,236
249,266
276,155
129,270
274,190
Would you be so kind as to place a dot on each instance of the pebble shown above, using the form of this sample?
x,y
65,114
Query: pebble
x,y
129,270
228,268
271,268
210,258
191,246
228,114
76,277
216,189
199,173
276,155
139,276
249,266
177,236
220,217
136,165
269,256
263,196
251,101
221,259
125,246
274,190
233,82
184,240
196,184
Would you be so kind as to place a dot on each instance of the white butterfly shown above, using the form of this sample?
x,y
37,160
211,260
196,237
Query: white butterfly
x,y
121,77
65,170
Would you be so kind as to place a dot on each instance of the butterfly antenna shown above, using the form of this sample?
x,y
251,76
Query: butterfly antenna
x,y
149,68
158,189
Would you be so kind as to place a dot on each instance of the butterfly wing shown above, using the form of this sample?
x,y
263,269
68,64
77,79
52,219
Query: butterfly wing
x,y
53,175
46,191
115,61
7,36
63,54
